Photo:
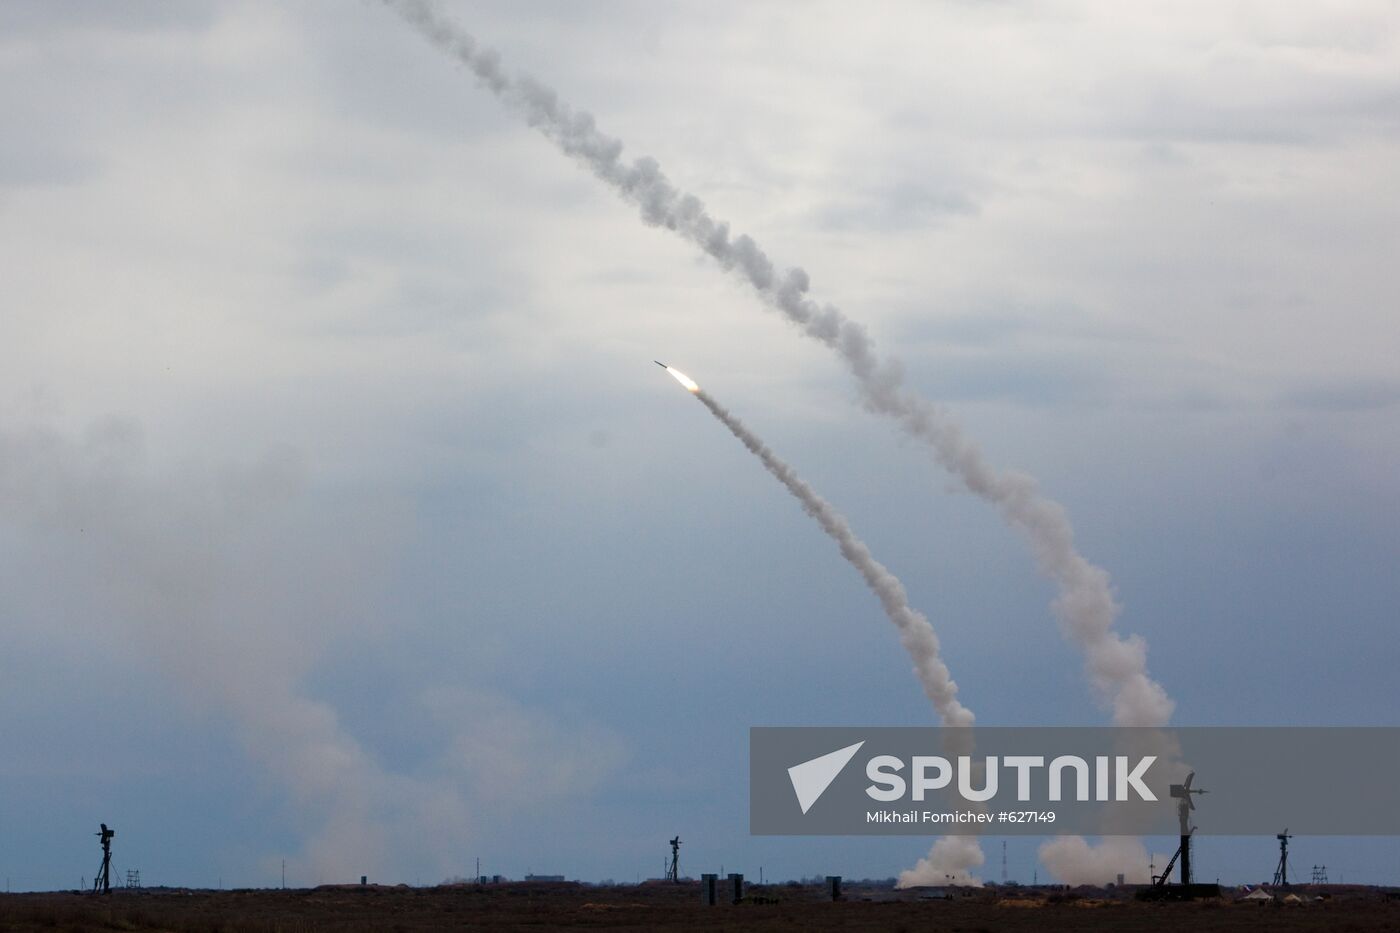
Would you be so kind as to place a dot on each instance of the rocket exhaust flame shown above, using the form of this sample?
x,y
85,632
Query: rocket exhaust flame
x,y
690,384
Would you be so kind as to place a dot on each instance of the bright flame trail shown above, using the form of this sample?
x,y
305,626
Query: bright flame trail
x,y
690,384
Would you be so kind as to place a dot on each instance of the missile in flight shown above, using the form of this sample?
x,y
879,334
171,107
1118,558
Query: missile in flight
x,y
690,384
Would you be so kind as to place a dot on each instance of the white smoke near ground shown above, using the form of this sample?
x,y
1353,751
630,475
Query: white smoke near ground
x,y
952,858
234,585
1075,860
1085,606
214,574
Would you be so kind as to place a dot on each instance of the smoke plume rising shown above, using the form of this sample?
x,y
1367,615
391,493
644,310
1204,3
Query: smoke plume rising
x,y
952,857
1084,604
234,582
951,861
1074,860
1117,666
202,571
915,631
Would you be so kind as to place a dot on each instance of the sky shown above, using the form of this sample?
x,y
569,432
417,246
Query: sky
x,y
345,521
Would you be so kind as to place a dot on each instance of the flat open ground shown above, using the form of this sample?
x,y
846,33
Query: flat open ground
x,y
656,907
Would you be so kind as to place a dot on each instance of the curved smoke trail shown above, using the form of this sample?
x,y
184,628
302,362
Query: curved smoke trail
x,y
915,631
1085,605
1116,666
952,857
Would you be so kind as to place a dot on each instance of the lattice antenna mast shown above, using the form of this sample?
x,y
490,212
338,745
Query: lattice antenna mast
x,y
103,882
673,873
1281,872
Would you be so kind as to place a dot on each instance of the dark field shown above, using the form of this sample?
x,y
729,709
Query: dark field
x,y
664,908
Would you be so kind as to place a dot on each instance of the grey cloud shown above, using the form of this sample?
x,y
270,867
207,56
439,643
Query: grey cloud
x,y
1345,396
902,206
38,19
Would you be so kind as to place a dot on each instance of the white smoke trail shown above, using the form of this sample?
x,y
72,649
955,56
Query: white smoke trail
x,y
1117,666
915,631
952,857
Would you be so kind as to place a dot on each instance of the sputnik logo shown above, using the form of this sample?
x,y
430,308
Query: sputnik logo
x,y
811,778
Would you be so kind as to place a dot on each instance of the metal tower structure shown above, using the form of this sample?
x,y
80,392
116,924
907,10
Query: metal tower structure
x,y
673,873
103,881
1182,792
1183,809
1281,873
1319,874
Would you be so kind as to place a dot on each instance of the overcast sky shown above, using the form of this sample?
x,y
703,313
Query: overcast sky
x,y
345,520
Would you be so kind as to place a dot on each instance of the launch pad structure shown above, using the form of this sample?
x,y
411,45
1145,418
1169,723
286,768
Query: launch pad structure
x,y
1281,872
673,871
102,883
1185,889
